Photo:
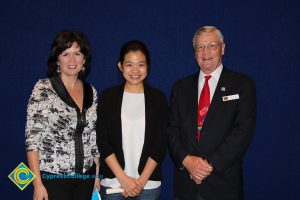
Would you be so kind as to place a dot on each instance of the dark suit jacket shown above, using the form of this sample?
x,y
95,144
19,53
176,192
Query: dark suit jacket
x,y
225,136
109,128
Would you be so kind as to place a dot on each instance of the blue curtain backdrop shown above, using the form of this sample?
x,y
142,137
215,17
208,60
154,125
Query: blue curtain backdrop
x,y
262,40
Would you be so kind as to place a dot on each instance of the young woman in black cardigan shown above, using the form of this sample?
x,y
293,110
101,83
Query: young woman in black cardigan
x,y
131,126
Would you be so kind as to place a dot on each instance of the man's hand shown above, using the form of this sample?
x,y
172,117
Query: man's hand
x,y
198,168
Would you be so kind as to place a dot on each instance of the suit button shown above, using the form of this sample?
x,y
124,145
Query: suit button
x,y
203,133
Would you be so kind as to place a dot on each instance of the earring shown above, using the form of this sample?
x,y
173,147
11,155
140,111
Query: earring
x,y
58,70
83,69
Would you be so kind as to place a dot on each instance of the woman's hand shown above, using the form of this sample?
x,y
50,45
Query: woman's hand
x,y
40,192
141,181
97,184
131,187
129,184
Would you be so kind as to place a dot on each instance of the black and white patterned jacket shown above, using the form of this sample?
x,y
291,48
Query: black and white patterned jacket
x,y
64,136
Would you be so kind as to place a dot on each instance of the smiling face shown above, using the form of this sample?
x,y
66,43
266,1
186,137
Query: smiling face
x,y
71,61
209,59
134,68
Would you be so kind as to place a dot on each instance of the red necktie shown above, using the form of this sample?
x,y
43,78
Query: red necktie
x,y
203,105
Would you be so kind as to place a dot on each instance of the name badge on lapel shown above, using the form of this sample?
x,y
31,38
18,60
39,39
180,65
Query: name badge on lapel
x,y
231,97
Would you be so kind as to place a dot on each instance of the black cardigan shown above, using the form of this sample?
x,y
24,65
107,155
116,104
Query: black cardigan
x,y
109,129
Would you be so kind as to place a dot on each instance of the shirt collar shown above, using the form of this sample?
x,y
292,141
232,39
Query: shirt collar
x,y
215,74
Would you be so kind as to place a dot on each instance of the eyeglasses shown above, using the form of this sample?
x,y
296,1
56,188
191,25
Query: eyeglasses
x,y
210,46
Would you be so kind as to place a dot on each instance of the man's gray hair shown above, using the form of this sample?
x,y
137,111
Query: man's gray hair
x,y
207,29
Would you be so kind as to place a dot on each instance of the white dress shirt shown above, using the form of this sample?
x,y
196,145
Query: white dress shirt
x,y
212,82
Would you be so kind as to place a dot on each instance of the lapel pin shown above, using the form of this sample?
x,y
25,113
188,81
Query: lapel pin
x,y
223,89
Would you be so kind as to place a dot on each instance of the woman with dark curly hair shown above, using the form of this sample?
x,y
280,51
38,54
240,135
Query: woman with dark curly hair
x,y
60,135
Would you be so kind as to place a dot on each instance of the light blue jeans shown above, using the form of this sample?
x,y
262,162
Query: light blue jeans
x,y
151,194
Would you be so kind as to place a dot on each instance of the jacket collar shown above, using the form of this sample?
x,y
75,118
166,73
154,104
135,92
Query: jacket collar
x,y
62,92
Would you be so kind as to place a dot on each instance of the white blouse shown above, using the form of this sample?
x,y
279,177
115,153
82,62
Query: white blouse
x,y
133,136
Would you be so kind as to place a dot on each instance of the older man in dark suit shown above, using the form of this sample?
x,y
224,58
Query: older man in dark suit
x,y
212,122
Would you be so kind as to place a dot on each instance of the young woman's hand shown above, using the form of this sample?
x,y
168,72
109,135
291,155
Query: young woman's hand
x,y
130,186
